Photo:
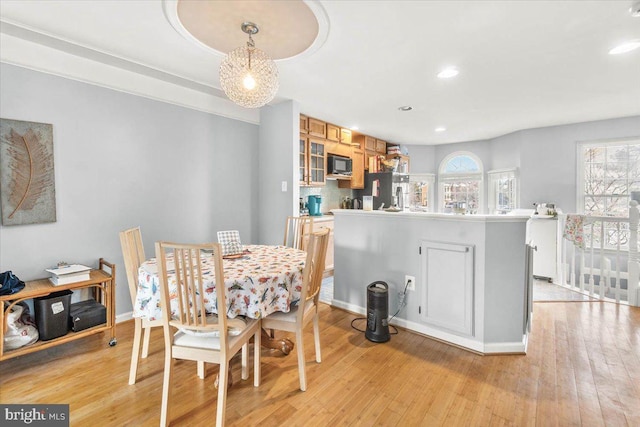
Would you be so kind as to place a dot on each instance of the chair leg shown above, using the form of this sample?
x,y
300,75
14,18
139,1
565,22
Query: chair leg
x,y
245,361
301,361
200,369
165,413
145,343
256,357
135,351
316,335
222,392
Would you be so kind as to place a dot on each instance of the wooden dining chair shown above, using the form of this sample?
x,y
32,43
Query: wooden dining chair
x,y
297,230
307,308
201,336
133,254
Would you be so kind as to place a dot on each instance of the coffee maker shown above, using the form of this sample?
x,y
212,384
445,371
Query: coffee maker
x,y
313,203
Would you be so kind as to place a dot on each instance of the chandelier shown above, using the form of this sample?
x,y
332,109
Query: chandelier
x,y
248,76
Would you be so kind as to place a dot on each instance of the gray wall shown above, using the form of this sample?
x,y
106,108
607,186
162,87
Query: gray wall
x,y
545,157
122,161
279,139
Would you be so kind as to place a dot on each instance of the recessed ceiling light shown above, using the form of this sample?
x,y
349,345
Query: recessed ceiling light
x,y
449,72
405,108
440,129
354,128
625,47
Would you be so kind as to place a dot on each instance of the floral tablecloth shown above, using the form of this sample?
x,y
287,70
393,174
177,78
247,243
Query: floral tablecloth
x,y
263,281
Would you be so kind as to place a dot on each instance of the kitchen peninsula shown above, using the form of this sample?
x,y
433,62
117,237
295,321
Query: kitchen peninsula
x,y
471,282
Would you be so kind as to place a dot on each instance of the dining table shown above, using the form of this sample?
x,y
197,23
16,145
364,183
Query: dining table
x,y
261,280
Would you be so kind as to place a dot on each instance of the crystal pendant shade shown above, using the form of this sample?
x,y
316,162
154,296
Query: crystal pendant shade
x,y
249,77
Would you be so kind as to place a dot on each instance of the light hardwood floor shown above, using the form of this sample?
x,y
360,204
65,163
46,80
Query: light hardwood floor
x,y
583,368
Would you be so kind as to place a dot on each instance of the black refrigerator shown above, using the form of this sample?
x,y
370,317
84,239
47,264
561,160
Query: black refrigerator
x,y
387,184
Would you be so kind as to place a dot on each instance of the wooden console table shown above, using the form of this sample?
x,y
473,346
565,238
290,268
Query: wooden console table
x,y
102,282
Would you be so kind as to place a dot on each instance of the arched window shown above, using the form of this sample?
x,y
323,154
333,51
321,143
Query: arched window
x,y
460,183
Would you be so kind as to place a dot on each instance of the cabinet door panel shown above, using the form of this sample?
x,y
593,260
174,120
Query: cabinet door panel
x,y
345,136
333,133
447,286
317,128
317,162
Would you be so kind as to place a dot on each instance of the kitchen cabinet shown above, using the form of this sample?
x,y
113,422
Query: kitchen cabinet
x,y
357,174
333,133
381,146
312,161
338,134
318,224
304,124
316,128
369,143
447,286
345,136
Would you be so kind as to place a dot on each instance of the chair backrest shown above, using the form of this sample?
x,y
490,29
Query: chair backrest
x,y
313,268
180,270
133,254
296,230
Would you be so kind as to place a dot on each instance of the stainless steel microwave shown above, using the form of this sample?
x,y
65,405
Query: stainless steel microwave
x,y
338,165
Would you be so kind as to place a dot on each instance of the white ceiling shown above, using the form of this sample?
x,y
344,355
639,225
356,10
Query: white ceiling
x,y
523,64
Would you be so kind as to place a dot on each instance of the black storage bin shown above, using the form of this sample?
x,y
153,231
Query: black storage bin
x,y
86,314
52,314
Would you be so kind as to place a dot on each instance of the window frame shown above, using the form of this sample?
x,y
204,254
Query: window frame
x,y
445,177
491,194
430,179
580,166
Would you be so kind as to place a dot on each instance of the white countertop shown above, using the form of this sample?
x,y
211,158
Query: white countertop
x,y
323,217
436,216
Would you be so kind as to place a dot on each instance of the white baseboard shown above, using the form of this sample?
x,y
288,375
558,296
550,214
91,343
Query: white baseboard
x,y
447,337
124,317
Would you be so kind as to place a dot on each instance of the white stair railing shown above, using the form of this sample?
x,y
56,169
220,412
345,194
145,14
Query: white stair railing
x,y
633,283
597,269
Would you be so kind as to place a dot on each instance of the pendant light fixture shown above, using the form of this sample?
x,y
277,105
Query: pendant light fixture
x,y
248,76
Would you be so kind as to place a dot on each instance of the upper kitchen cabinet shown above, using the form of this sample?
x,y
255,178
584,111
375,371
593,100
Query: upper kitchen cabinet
x,y
357,172
333,133
313,161
372,147
304,124
368,143
316,128
345,136
338,134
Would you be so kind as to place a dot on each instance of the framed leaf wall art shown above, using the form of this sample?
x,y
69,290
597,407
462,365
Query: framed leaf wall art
x,y
27,181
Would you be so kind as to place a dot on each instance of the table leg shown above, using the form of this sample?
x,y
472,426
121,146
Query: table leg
x,y
285,345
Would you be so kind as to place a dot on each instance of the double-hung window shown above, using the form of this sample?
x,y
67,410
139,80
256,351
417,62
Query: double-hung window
x,y
608,173
503,191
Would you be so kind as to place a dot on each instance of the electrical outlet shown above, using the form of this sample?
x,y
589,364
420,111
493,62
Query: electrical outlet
x,y
411,283
284,186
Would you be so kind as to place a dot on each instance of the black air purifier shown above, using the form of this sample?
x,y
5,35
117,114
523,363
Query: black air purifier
x,y
377,312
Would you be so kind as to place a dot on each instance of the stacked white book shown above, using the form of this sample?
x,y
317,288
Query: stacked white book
x,y
395,149
70,273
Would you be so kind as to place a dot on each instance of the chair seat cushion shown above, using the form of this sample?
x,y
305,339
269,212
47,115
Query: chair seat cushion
x,y
235,328
184,340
